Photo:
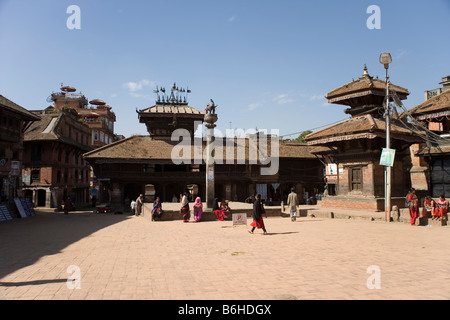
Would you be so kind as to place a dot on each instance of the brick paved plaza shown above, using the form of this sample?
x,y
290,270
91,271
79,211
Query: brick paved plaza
x,y
127,257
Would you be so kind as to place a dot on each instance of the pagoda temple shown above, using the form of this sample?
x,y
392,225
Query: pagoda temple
x,y
144,163
352,148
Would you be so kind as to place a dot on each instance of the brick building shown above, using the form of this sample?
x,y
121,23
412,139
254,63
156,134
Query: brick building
x,y
96,114
128,166
13,121
99,117
430,171
352,148
53,165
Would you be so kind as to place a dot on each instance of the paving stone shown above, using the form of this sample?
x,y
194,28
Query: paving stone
x,y
128,257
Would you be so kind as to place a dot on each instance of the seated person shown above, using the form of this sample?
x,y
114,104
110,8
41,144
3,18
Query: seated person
x,y
157,209
428,207
224,206
220,214
441,209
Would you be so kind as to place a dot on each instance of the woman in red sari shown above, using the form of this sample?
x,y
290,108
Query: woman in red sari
x,y
220,214
257,213
413,206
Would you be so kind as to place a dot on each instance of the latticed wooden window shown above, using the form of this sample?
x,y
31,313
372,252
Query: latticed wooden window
x,y
356,179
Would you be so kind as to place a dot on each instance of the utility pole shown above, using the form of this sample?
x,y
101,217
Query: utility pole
x,y
386,59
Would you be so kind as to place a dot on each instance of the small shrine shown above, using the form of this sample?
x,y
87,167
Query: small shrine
x,y
171,112
351,149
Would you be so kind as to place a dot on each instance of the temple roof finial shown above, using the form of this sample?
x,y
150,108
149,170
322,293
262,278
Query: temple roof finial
x,y
365,74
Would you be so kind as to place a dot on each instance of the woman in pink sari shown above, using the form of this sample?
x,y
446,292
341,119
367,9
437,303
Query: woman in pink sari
x,y
441,209
198,209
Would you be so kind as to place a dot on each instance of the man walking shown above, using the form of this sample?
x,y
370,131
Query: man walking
x,y
293,203
138,205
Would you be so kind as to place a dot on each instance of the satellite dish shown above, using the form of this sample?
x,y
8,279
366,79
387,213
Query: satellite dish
x,y
50,99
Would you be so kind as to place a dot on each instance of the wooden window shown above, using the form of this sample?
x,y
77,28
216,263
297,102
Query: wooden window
x,y
36,152
35,175
356,179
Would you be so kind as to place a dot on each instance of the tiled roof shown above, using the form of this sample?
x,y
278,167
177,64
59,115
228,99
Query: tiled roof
x,y
362,87
362,127
171,109
436,104
14,107
46,130
141,148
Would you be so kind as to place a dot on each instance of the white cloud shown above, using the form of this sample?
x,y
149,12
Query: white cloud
x,y
231,19
135,87
283,99
253,106
400,53
315,97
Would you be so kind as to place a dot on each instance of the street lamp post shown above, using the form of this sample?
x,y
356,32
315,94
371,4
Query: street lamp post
x,y
386,59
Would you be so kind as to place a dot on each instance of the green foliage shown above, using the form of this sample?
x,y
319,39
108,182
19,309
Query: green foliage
x,y
301,137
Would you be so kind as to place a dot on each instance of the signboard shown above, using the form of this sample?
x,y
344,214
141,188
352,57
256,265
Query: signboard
x,y
4,214
22,210
332,169
26,180
25,207
73,96
211,173
239,219
15,166
387,157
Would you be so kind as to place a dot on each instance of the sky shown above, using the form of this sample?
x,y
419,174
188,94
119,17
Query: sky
x,y
267,64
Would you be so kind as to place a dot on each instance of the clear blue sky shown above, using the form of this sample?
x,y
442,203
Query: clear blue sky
x,y
267,64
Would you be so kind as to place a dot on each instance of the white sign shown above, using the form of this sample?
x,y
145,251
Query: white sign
x,y
332,169
211,173
15,166
387,157
73,96
239,219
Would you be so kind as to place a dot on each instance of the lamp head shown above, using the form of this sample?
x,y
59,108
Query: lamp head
x,y
385,59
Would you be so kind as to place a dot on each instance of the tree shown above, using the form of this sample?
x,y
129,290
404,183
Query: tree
x,y
301,137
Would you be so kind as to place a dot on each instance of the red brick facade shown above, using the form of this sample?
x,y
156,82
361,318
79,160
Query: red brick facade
x,y
53,163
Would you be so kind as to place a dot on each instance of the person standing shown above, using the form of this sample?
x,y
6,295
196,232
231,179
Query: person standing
x,y
258,211
185,212
413,206
94,201
67,206
293,203
138,205
198,209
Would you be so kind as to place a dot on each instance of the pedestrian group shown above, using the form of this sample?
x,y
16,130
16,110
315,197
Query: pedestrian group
x,y
438,210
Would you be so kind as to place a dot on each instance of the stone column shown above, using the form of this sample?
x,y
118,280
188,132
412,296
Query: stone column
x,y
210,119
